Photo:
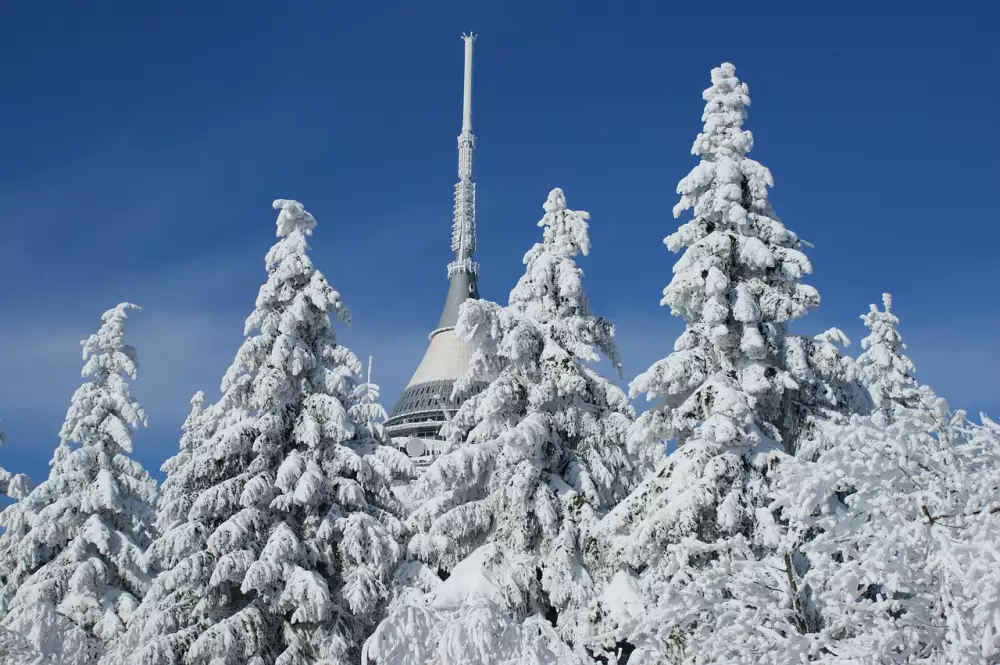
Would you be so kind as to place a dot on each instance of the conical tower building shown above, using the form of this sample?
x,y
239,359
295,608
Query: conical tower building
x,y
427,402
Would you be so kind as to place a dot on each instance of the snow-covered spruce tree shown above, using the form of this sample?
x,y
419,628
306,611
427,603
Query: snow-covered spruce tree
x,y
539,457
738,395
885,369
79,576
14,649
286,551
183,484
907,522
367,413
180,487
15,520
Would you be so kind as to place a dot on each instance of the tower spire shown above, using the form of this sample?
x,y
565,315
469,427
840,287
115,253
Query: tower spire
x,y
463,271
470,39
427,402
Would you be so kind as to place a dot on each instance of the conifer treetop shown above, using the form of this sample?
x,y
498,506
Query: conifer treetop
x,y
737,284
550,293
551,284
176,496
724,115
197,408
565,230
885,368
735,244
293,217
102,410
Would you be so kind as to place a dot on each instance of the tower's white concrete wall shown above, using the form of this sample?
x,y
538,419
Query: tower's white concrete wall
x,y
447,359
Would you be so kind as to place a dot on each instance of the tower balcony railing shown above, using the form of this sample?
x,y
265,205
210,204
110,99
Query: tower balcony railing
x,y
466,265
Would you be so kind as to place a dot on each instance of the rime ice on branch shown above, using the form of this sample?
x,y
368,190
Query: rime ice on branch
x,y
904,519
885,369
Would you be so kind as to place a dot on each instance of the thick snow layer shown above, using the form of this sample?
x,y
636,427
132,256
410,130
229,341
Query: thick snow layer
x,y
468,619
622,601
485,573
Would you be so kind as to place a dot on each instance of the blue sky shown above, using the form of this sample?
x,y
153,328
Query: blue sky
x,y
143,144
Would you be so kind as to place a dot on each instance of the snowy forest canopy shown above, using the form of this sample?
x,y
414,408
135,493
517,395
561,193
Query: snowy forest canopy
x,y
817,507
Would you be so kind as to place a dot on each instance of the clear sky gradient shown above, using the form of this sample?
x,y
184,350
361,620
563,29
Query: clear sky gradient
x,y
143,143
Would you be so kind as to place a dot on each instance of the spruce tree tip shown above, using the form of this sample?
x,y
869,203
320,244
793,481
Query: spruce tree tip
x,y
118,311
293,217
556,201
724,76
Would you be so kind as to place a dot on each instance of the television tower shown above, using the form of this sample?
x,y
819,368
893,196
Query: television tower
x,y
426,403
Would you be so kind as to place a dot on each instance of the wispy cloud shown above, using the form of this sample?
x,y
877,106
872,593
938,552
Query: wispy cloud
x,y
186,336
40,361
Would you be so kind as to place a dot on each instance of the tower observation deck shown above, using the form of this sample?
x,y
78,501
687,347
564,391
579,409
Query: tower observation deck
x,y
426,403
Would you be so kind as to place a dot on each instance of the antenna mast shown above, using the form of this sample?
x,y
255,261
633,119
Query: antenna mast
x,y
415,417
463,230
